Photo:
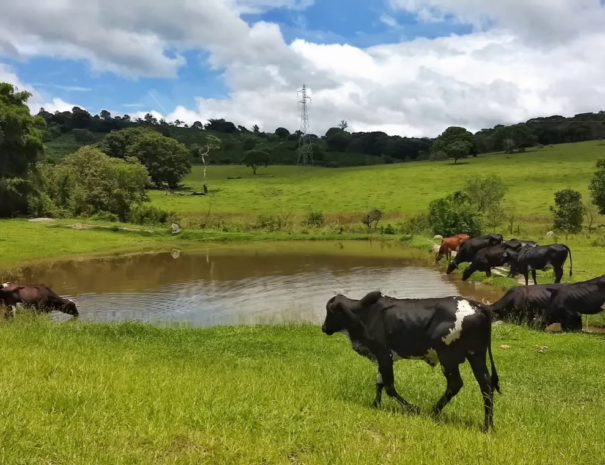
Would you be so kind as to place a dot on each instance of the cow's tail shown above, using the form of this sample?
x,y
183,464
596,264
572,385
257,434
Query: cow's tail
x,y
495,380
570,260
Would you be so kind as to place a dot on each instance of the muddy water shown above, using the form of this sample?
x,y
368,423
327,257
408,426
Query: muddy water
x,y
268,283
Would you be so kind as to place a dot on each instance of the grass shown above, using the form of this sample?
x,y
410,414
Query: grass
x,y
398,190
106,394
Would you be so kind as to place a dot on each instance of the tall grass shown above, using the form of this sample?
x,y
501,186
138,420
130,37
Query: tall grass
x,y
108,394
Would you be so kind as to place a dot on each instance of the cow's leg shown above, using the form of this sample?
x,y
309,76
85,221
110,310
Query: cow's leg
x,y
451,371
526,276
488,272
379,388
571,321
388,380
479,366
533,275
558,274
468,271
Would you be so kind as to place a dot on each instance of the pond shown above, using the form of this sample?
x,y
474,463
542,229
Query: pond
x,y
254,283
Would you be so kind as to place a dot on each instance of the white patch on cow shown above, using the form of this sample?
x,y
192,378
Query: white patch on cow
x,y
4,285
378,378
463,310
395,356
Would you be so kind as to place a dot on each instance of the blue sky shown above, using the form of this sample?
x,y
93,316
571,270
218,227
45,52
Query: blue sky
x,y
409,67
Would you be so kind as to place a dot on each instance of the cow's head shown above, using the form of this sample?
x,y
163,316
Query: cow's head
x,y
451,267
341,312
70,308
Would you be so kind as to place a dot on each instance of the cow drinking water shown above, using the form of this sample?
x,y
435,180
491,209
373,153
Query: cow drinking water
x,y
40,297
441,330
469,249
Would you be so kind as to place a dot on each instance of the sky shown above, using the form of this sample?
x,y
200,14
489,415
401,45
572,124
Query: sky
x,y
406,67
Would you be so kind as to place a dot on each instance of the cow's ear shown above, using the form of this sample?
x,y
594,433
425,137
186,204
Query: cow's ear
x,y
370,298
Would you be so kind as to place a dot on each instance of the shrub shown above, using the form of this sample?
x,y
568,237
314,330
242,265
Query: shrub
x,y
372,218
388,229
271,222
83,136
89,182
568,211
315,219
416,224
148,214
454,214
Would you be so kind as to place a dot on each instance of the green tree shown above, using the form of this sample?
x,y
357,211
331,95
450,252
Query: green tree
x,y
255,158
568,211
485,192
597,186
20,147
166,159
20,134
117,143
455,214
282,133
456,142
89,182
516,137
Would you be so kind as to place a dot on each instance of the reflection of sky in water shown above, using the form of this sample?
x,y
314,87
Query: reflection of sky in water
x,y
251,284
256,300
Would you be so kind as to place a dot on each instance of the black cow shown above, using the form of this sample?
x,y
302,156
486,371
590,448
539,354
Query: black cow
x,y
445,330
469,249
529,304
530,259
40,297
569,301
486,259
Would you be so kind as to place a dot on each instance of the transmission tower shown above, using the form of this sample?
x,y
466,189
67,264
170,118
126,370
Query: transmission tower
x,y
305,149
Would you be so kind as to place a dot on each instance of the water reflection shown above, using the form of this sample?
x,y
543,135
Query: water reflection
x,y
249,284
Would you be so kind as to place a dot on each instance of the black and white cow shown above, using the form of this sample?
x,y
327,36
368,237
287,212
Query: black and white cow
x,y
530,259
568,302
469,249
446,330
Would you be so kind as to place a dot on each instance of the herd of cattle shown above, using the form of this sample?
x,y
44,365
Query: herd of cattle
x,y
445,331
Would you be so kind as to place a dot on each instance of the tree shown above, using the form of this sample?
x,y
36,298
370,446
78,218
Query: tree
x,y
343,125
166,159
89,182
282,133
568,211
597,186
456,142
255,158
485,192
20,134
455,214
117,143
20,147
372,218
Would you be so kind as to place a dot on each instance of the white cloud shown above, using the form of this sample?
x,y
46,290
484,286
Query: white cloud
x,y
524,59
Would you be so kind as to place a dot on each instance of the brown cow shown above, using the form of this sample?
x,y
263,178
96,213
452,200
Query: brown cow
x,y
40,297
449,245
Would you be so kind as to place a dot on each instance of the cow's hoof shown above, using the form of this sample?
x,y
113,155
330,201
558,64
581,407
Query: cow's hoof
x,y
375,405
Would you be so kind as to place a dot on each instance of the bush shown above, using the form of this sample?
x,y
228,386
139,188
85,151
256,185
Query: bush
x,y
372,218
148,214
89,182
568,212
315,219
83,136
388,229
416,224
455,214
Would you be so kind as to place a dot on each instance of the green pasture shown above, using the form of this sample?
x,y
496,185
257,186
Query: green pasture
x,y
399,190
132,394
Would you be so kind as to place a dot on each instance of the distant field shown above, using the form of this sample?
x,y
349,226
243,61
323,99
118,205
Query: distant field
x,y
118,394
399,190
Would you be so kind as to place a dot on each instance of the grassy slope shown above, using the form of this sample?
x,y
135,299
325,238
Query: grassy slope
x,y
99,394
407,188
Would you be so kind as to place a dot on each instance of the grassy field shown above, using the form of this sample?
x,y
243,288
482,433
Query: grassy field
x,y
107,394
398,190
